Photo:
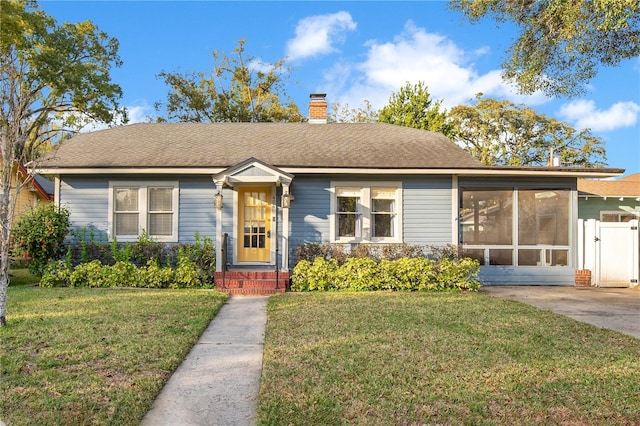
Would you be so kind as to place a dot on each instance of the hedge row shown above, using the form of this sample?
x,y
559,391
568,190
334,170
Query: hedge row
x,y
365,274
187,274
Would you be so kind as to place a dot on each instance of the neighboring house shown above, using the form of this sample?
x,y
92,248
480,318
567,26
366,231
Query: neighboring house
x,y
34,190
609,238
609,200
269,187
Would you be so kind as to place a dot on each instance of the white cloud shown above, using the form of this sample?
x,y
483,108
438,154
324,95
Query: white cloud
x,y
317,35
584,114
417,55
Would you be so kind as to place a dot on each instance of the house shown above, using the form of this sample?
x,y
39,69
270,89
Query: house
x,y
261,189
608,235
34,190
609,200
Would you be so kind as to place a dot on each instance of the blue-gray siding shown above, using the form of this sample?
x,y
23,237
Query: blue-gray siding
x,y
427,212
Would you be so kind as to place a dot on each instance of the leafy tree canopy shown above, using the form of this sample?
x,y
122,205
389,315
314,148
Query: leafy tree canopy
x,y
561,43
502,133
54,78
237,89
412,106
342,113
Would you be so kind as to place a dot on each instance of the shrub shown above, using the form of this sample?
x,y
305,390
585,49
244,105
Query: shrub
x,y
40,234
187,273
121,274
88,275
57,273
408,274
155,276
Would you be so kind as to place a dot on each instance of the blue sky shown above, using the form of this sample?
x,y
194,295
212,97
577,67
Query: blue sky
x,y
353,51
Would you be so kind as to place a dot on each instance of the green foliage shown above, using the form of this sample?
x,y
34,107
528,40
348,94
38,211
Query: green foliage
x,y
146,248
155,276
412,106
40,234
236,90
342,113
561,43
88,275
194,264
402,274
187,273
502,133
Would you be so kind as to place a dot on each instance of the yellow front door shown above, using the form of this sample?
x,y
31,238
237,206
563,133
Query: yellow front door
x,y
254,223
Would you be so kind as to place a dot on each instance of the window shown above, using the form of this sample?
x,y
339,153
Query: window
x,y
542,218
148,206
616,216
366,212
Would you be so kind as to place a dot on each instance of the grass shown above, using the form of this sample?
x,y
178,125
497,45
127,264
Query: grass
x,y
78,356
448,359
22,276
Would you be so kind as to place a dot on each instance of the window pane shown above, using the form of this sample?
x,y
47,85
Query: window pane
x,y
126,224
500,257
609,217
126,199
477,254
543,217
486,217
160,224
348,204
347,225
529,258
382,225
160,199
383,206
389,193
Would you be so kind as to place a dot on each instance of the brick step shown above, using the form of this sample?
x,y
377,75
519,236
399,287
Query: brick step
x,y
251,282
252,291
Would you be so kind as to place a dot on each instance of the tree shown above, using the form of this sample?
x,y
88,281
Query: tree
x,y
412,106
54,78
238,89
502,133
561,43
342,113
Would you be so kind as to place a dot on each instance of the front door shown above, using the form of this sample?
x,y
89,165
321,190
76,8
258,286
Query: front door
x,y
254,223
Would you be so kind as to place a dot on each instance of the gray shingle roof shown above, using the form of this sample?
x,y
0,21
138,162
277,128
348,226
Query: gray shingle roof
x,y
376,145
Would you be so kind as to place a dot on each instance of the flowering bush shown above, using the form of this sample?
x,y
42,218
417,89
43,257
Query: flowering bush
x,y
39,235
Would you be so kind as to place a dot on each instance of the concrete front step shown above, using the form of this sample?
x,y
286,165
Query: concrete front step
x,y
251,282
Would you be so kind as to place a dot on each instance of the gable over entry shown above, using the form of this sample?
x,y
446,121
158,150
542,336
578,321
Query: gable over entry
x,y
256,233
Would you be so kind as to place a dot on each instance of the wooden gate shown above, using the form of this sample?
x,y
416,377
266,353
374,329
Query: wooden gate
x,y
611,251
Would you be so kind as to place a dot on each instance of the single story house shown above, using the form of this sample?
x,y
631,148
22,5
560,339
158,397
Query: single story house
x,y
609,200
261,189
608,234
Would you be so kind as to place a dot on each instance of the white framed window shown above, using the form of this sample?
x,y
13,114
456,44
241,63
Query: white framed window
x,y
616,216
366,212
148,206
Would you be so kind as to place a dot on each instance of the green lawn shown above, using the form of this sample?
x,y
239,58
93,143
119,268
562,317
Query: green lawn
x,y
447,359
79,356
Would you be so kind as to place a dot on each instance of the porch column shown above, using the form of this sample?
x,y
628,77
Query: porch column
x,y
219,239
285,230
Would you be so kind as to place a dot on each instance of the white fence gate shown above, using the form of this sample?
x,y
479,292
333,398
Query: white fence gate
x,y
611,250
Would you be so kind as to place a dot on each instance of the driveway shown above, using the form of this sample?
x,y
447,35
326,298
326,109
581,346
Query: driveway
x,y
613,308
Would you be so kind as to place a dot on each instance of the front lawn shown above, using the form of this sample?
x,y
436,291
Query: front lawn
x,y
441,358
79,356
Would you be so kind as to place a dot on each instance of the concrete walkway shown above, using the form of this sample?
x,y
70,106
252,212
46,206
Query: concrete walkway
x,y
219,380
612,308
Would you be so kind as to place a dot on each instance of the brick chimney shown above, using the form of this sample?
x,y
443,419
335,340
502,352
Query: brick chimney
x,y
318,108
